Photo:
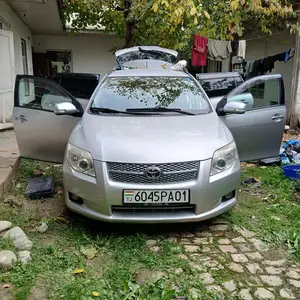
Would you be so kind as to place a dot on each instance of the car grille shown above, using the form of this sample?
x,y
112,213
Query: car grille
x,y
170,172
153,209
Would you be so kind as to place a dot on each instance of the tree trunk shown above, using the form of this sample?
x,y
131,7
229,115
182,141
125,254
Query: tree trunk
x,y
293,108
129,25
129,34
294,105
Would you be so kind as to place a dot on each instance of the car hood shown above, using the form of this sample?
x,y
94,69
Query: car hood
x,y
150,139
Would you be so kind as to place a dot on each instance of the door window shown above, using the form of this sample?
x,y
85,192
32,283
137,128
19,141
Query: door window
x,y
41,95
260,95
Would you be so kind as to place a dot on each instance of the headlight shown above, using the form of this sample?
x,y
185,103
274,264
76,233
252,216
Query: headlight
x,y
224,158
80,160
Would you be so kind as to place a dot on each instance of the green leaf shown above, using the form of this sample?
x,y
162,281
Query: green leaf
x,y
193,11
234,5
195,20
155,7
206,14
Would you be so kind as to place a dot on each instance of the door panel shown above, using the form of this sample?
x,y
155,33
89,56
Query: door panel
x,y
40,133
258,133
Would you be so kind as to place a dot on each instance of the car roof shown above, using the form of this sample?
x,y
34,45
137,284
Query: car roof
x,y
218,75
148,73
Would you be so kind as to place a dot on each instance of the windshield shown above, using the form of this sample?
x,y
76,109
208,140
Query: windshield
x,y
122,93
215,87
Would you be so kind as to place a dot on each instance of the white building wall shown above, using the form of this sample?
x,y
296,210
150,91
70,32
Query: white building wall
x,y
11,22
90,53
272,45
20,31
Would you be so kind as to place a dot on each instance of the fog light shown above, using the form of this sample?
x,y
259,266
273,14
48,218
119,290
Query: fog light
x,y
75,198
228,196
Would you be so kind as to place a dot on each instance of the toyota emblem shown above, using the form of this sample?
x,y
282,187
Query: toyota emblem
x,y
153,172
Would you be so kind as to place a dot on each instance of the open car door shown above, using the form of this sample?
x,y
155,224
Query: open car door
x,y
40,133
258,132
146,57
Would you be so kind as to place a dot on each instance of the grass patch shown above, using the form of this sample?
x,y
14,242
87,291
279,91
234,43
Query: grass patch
x,y
271,209
112,273
32,168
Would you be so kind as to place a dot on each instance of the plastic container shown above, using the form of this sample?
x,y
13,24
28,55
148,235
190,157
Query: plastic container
x,y
285,160
292,171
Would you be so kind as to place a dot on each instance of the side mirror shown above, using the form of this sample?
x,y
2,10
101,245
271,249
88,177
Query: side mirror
x,y
65,108
234,108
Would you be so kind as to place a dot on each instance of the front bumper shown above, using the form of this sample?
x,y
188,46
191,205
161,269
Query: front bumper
x,y
100,195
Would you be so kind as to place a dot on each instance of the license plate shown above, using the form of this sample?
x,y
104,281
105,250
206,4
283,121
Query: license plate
x,y
156,196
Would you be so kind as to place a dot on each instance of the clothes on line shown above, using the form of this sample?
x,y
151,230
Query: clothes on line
x,y
204,49
241,49
218,50
199,51
267,64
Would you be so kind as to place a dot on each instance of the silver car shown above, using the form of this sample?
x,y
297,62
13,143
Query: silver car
x,y
149,147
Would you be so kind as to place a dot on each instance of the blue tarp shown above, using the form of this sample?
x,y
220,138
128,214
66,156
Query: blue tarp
x,y
290,152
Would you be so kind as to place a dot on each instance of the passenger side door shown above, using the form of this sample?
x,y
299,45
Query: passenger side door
x,y
40,133
258,132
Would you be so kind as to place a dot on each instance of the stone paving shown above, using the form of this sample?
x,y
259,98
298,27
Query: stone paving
x,y
238,262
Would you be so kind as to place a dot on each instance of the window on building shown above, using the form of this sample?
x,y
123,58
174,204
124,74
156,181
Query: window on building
x,y
212,66
60,62
25,64
24,56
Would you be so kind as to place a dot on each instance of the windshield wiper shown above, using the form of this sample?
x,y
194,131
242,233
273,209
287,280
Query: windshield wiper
x,y
112,111
159,109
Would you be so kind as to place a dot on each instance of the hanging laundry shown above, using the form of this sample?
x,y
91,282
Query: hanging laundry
x,y
242,49
234,45
199,51
254,68
268,64
286,55
218,50
289,54
281,56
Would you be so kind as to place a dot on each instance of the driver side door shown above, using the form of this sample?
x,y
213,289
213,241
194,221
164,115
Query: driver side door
x,y
40,133
258,132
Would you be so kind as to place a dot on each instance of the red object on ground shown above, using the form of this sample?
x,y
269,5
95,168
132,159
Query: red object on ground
x,y
199,51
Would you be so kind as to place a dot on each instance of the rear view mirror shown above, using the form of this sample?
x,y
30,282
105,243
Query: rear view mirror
x,y
234,107
65,108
